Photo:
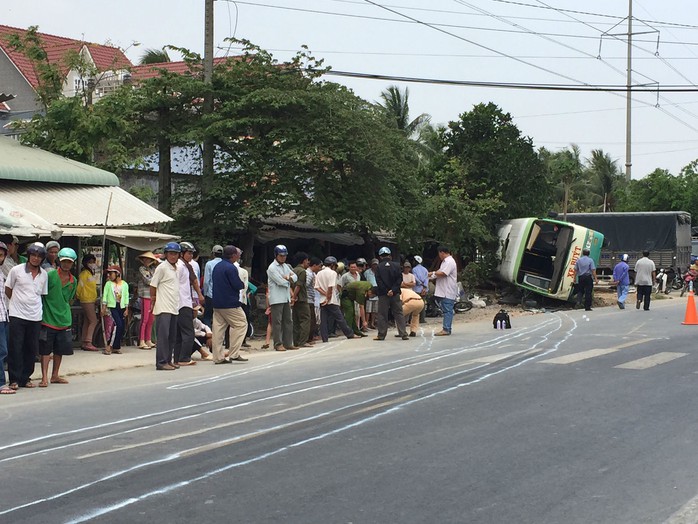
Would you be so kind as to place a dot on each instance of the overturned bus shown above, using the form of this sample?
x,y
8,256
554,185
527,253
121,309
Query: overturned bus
x,y
538,254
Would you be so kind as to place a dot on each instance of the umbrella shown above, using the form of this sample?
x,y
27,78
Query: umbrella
x,y
21,222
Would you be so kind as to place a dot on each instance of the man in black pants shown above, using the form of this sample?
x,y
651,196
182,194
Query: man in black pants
x,y
585,271
389,280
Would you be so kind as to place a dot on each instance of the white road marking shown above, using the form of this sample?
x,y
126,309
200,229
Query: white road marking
x,y
489,359
651,361
584,355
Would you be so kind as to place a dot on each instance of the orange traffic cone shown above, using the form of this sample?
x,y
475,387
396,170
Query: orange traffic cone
x,y
691,319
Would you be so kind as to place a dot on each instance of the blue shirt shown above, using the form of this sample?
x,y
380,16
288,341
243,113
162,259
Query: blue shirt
x,y
208,273
584,265
227,283
421,275
620,273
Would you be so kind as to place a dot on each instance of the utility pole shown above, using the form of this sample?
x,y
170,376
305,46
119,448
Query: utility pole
x,y
207,174
629,101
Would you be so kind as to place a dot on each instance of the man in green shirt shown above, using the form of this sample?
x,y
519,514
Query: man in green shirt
x,y
356,292
55,336
300,308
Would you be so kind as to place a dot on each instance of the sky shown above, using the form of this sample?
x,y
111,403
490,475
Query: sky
x,y
525,42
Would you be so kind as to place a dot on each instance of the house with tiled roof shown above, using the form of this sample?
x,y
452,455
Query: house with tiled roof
x,y
19,77
144,72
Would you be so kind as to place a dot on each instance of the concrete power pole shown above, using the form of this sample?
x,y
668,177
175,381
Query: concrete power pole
x,y
629,102
207,174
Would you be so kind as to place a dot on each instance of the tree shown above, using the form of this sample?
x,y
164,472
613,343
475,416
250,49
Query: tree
x,y
498,160
154,56
658,191
605,179
567,172
419,130
397,107
288,143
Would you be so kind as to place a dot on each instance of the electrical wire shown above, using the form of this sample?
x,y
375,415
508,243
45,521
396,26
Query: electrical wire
x,y
663,110
435,24
605,88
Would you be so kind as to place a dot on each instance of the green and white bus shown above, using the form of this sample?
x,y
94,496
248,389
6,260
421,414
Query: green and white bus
x,y
538,254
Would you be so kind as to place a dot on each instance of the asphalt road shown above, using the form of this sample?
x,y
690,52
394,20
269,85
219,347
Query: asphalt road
x,y
569,417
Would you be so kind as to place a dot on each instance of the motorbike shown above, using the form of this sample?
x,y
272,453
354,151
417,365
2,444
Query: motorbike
x,y
668,280
462,304
689,281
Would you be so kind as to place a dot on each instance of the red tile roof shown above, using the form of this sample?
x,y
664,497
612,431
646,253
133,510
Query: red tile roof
x,y
106,58
144,72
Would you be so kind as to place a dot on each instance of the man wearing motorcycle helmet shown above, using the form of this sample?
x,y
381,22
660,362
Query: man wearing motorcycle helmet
x,y
4,327
164,297
188,283
621,279
51,260
56,337
25,285
280,276
389,279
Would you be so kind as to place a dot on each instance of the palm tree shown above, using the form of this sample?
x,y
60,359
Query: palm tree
x,y
605,177
418,131
154,56
567,171
396,104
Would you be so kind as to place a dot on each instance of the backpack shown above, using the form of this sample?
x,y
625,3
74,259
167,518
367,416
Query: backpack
x,y
501,320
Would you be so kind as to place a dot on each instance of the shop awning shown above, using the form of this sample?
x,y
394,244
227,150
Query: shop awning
x,y
30,164
81,205
133,238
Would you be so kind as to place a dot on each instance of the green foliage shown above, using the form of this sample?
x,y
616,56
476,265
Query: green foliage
x,y
499,160
154,56
483,172
143,192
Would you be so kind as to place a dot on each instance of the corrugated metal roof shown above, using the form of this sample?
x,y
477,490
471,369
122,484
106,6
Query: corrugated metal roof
x,y
81,205
36,165
133,238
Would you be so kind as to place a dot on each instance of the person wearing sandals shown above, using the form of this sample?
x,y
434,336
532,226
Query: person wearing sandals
x,y
145,275
56,337
25,285
280,277
87,295
4,327
115,303
227,310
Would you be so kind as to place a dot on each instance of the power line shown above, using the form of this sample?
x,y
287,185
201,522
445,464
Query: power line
x,y
435,28
434,24
457,55
604,88
602,15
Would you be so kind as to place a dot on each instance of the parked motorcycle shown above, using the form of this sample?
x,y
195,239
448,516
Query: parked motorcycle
x,y
462,304
689,281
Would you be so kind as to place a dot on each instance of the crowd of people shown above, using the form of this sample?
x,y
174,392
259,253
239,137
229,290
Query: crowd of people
x,y
306,303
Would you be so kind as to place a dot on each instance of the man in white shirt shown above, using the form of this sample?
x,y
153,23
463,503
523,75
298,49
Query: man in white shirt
x,y
25,285
446,288
645,273
164,302
326,287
